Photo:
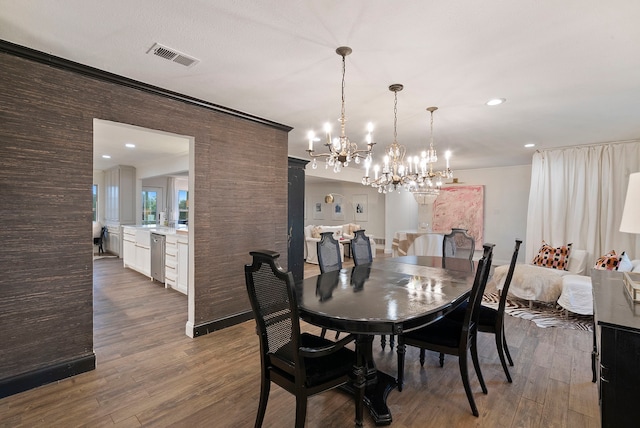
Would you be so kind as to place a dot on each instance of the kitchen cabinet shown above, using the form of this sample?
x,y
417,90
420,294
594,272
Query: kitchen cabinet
x,y
112,244
143,252
171,261
129,247
182,284
136,249
120,199
616,349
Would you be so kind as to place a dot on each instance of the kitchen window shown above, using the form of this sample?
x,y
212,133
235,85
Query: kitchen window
x,y
183,206
149,206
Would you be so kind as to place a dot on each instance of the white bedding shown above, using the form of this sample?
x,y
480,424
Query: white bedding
x,y
531,282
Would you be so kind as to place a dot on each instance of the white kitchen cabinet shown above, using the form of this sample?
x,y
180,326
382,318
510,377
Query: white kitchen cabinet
x,y
143,252
182,284
120,198
171,261
112,244
129,247
136,249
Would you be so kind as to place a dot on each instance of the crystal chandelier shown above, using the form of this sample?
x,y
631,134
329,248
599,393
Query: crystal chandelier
x,y
394,172
425,182
340,151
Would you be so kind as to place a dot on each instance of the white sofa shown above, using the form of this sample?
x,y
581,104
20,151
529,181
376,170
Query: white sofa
x,y
343,232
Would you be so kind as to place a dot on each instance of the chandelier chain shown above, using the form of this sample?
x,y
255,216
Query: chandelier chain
x,y
395,117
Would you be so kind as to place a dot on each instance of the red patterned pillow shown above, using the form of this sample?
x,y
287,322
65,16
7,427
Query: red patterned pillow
x,y
551,257
609,261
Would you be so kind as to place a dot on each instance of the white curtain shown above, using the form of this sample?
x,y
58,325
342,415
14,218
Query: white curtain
x,y
577,196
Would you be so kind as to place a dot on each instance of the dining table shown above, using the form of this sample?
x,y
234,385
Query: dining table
x,y
388,296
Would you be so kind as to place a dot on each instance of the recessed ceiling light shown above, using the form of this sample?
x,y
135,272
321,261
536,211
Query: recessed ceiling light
x,y
529,145
130,145
106,156
495,101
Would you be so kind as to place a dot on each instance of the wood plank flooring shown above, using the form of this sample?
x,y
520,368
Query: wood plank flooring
x,y
149,373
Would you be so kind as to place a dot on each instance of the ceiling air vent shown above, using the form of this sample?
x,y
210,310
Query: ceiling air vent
x,y
172,55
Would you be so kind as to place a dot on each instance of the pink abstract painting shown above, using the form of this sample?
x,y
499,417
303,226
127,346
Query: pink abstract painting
x,y
460,207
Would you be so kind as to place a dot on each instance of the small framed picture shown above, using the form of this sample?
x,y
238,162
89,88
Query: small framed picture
x,y
360,207
318,210
337,212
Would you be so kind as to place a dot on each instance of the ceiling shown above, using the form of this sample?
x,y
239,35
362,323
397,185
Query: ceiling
x,y
569,70
150,146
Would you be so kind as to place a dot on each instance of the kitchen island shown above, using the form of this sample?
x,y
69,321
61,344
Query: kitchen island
x,y
136,253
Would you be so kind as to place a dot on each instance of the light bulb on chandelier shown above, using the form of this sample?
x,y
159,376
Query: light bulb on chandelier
x,y
340,151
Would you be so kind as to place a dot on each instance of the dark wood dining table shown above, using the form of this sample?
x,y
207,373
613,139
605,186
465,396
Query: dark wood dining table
x,y
388,296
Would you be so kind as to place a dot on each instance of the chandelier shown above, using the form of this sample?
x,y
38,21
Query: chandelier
x,y
340,151
394,172
426,182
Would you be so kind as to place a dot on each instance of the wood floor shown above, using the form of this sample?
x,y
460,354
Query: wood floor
x,y
149,373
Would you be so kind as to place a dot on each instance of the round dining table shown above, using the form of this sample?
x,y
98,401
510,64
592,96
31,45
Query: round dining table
x,y
388,296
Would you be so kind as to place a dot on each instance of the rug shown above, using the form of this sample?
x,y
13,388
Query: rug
x,y
104,256
543,314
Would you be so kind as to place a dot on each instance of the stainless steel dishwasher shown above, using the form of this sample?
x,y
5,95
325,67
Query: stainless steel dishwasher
x,y
157,257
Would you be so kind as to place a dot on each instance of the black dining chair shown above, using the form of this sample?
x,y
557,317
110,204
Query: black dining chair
x,y
329,254
361,251
451,337
458,244
301,363
99,241
361,248
329,259
492,320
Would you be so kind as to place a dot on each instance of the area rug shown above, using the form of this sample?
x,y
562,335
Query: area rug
x,y
543,314
104,256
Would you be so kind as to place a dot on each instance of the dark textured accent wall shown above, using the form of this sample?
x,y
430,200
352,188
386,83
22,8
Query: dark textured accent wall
x,y
239,201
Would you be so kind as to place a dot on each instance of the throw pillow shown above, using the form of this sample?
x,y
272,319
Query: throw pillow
x,y
551,257
315,232
624,264
608,262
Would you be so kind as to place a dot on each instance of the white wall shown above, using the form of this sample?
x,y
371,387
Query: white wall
x,y
315,193
506,199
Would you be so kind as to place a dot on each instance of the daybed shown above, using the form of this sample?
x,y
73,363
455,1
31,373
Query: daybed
x,y
539,283
570,288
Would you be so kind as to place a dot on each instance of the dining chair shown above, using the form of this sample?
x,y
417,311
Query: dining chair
x,y
329,258
361,248
361,252
458,244
301,363
491,320
99,241
451,337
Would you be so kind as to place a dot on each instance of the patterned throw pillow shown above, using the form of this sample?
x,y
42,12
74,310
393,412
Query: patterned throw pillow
x,y
609,261
315,232
551,257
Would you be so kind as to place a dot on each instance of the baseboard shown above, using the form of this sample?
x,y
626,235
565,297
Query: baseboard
x,y
210,327
43,376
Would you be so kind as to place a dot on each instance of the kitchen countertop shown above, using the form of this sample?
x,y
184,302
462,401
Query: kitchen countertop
x,y
181,230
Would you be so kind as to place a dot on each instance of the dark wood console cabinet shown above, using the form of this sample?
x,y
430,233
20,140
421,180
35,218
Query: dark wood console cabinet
x,y
616,353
